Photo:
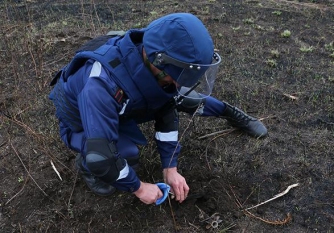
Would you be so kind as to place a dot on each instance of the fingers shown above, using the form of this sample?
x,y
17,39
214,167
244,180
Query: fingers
x,y
186,191
149,193
181,193
145,202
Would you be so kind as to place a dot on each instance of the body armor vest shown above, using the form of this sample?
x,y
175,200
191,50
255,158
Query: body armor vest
x,y
120,56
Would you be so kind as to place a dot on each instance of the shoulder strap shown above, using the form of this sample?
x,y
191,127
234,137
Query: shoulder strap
x,y
94,49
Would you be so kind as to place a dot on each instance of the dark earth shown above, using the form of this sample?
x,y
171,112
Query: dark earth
x,y
278,65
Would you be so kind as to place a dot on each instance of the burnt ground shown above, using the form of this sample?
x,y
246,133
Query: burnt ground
x,y
278,65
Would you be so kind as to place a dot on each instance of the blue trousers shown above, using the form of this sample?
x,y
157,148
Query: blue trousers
x,y
129,134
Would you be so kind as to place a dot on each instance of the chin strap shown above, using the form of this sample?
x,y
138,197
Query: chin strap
x,y
158,76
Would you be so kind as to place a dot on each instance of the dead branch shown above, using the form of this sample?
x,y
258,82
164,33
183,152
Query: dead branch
x,y
27,128
18,193
225,131
181,137
75,180
275,197
272,222
27,169
206,148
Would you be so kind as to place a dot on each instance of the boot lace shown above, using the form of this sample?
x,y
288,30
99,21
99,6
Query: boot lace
x,y
240,117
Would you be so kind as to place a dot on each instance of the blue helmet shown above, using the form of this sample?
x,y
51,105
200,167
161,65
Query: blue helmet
x,y
181,46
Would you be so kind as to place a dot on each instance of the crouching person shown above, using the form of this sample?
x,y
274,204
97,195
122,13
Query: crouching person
x,y
116,82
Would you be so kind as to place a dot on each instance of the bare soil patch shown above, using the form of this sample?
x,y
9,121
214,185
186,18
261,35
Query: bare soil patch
x,y
278,65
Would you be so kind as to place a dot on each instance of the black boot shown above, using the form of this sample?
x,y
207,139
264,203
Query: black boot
x,y
94,183
241,120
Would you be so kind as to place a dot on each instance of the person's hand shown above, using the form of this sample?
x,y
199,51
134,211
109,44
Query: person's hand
x,y
177,183
148,193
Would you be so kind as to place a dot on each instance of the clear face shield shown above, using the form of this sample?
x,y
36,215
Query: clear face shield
x,y
197,77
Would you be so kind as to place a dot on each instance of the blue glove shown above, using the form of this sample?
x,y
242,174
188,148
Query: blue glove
x,y
165,190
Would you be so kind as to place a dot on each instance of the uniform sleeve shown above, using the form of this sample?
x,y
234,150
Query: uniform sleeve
x,y
166,136
99,114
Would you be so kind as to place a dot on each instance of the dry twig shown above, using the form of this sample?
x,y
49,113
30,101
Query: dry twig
x,y
225,131
19,192
275,197
220,135
55,169
27,169
272,222
181,137
69,200
291,96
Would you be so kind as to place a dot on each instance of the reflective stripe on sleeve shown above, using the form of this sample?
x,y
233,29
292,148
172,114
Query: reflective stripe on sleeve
x,y
124,107
167,137
96,70
124,172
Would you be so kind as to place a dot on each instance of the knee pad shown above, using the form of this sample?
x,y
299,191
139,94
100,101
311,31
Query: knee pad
x,y
103,160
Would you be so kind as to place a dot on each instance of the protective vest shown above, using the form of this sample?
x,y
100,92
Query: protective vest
x,y
120,56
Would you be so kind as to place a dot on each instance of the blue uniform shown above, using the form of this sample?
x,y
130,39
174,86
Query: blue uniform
x,y
88,107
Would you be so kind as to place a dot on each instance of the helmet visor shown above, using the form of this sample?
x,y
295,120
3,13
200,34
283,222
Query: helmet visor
x,y
198,77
